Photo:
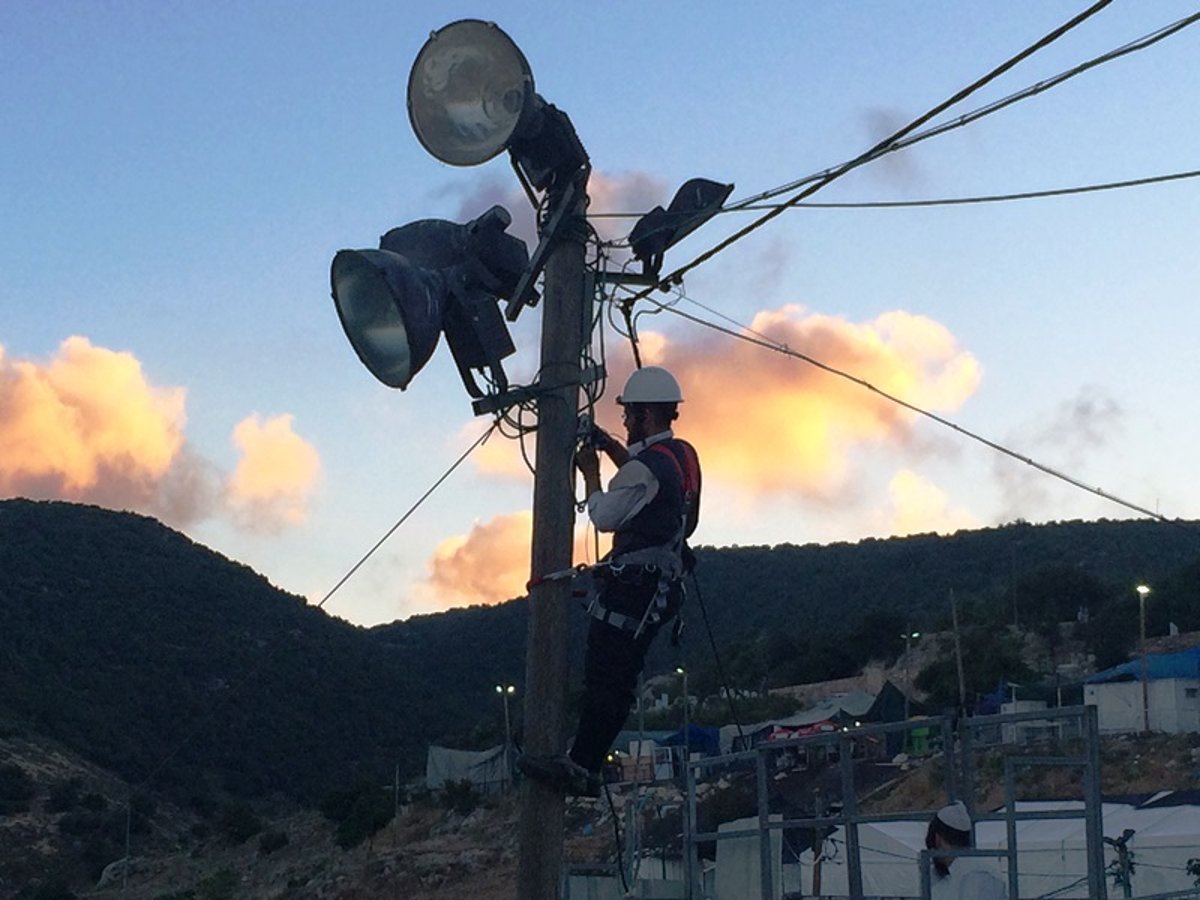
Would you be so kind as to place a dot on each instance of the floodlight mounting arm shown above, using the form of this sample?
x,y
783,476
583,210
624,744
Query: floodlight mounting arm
x,y
549,232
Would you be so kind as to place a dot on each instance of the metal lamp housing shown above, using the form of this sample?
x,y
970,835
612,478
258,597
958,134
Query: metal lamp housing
x,y
429,277
467,91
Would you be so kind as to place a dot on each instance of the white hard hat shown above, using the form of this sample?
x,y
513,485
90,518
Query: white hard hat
x,y
651,384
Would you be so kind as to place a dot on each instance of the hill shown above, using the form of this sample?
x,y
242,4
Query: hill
x,y
166,662
160,659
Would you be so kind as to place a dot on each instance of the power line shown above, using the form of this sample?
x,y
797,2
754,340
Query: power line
x,y
404,518
1034,89
204,720
1000,448
946,201
986,198
905,137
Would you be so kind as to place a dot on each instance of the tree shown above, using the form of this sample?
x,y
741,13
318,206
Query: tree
x,y
16,789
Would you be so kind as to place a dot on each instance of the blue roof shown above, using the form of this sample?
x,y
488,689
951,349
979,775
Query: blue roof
x,y
1158,665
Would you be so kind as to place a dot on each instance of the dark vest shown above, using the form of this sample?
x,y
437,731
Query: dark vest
x,y
672,462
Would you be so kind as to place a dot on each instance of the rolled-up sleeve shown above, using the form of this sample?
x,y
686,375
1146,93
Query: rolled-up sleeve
x,y
630,490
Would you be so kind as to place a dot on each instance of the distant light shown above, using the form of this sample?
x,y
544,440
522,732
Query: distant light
x,y
1142,589
467,89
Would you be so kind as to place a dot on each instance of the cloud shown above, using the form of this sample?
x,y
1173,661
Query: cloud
x,y
918,506
271,485
769,424
772,424
489,564
88,426
1069,435
898,168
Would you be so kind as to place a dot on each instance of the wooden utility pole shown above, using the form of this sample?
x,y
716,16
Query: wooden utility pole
x,y
958,660
565,331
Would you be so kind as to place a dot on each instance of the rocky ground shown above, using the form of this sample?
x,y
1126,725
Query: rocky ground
x,y
435,853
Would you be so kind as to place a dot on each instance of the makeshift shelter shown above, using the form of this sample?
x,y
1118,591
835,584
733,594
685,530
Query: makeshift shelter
x,y
484,769
701,739
1172,694
1051,853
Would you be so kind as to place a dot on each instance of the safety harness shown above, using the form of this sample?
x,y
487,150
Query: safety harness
x,y
664,564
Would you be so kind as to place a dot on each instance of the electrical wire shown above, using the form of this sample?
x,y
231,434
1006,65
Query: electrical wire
x,y
999,448
947,201
889,144
733,711
1034,89
482,439
986,198
203,721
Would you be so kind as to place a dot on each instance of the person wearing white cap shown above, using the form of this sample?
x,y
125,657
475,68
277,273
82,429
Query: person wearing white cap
x,y
960,877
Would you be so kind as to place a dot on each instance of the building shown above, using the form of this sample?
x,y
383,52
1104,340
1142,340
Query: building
x,y
1172,694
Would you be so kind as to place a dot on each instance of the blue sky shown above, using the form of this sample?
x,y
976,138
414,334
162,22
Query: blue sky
x,y
176,178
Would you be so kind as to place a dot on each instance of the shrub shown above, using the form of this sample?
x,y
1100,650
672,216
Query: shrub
x,y
64,795
272,841
16,789
460,796
239,823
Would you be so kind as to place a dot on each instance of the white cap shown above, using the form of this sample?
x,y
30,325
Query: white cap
x,y
955,816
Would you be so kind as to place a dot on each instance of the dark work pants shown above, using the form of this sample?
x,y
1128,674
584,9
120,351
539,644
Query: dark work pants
x,y
611,666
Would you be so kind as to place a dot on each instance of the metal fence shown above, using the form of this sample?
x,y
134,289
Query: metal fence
x,y
956,743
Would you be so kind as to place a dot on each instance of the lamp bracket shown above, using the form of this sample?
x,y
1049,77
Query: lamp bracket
x,y
514,396
524,294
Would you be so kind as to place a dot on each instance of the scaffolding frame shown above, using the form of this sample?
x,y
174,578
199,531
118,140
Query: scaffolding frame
x,y
958,740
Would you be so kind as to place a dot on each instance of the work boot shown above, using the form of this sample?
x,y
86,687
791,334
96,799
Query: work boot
x,y
561,773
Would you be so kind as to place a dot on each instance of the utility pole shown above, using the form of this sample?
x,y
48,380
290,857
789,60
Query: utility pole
x,y
962,681
564,334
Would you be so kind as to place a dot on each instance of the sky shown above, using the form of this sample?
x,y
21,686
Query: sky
x,y
175,179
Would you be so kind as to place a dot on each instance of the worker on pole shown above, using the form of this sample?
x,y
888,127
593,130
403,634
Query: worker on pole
x,y
651,507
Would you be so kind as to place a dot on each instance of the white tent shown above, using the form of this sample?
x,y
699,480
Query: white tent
x,y
1051,852
483,768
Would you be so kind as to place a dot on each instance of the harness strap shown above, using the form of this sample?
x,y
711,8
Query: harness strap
x,y
616,619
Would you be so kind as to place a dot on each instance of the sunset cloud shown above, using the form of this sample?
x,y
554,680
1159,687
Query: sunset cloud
x,y
918,507
490,564
88,426
271,485
770,423
767,423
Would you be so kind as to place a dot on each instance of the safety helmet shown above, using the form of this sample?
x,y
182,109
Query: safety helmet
x,y
651,384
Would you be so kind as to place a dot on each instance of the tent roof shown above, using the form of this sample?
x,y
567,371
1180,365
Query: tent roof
x,y
1185,664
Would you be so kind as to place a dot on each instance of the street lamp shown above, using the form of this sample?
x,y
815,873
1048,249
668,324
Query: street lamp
x,y
909,636
682,672
1142,591
505,691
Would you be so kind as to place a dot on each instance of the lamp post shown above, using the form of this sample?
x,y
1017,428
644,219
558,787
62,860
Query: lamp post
x,y
505,691
1142,591
909,636
682,672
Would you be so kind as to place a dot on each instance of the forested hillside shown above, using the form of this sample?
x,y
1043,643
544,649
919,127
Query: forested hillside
x,y
167,662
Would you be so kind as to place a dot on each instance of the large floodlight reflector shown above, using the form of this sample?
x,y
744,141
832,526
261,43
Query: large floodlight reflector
x,y
466,92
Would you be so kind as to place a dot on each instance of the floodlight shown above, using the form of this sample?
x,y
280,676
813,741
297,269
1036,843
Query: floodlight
x,y
466,92
426,278
697,201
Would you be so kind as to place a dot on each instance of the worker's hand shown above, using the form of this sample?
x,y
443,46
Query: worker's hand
x,y
589,466
612,448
